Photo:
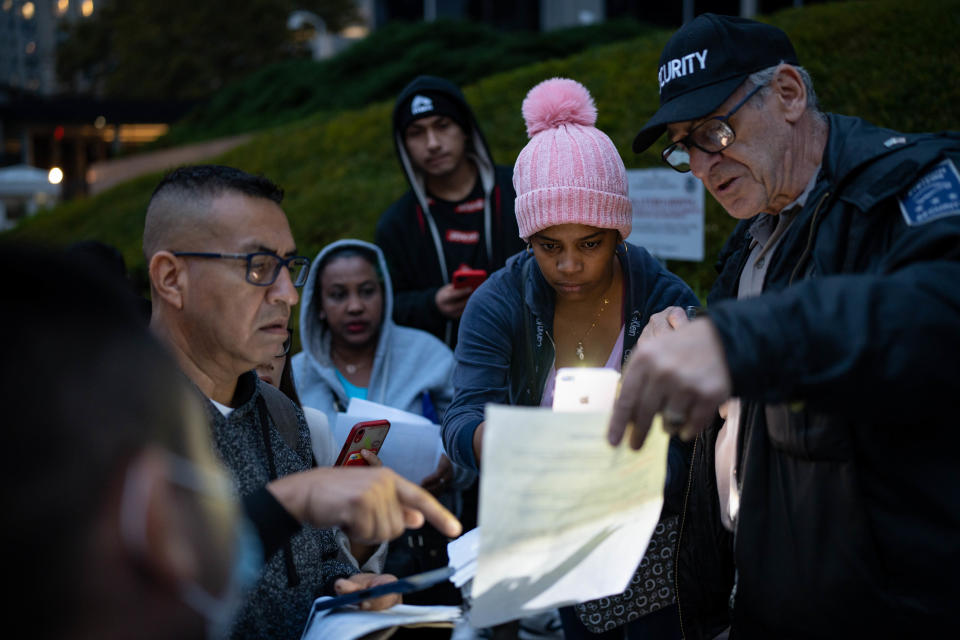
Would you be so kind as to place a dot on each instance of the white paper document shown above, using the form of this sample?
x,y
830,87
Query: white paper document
x,y
349,623
358,407
564,517
462,553
412,447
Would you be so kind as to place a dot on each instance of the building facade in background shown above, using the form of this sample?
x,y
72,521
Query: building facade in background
x,y
546,15
28,41
45,126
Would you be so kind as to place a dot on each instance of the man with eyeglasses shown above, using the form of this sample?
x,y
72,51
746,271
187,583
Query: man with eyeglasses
x,y
224,273
821,384
120,520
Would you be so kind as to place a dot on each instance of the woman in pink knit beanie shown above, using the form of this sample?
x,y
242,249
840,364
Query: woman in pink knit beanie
x,y
579,296
572,208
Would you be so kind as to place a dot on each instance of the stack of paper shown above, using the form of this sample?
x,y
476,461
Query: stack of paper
x,y
412,447
351,623
462,553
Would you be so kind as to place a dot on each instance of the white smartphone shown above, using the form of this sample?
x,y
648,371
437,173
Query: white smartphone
x,y
585,389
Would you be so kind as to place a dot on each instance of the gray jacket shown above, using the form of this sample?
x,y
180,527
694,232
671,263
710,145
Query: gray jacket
x,y
307,566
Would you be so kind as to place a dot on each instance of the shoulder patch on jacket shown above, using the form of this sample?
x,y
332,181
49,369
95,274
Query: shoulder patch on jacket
x,y
934,195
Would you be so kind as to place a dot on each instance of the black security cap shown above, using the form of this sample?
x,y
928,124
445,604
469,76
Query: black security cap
x,y
703,64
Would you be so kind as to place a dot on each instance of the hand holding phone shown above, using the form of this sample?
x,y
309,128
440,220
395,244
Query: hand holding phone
x,y
364,435
467,278
585,389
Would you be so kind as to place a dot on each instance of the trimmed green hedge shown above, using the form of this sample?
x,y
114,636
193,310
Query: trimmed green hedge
x,y
891,62
378,67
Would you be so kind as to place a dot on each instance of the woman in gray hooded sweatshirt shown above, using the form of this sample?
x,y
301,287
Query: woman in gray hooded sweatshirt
x,y
352,348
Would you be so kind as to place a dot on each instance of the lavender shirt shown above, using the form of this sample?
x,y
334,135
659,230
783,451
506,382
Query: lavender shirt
x,y
613,362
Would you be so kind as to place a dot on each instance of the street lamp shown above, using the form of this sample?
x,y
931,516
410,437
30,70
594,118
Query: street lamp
x,y
320,45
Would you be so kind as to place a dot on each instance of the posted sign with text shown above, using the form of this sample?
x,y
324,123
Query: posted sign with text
x,y
667,213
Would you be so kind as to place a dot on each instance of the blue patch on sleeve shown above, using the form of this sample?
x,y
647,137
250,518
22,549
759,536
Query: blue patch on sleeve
x,y
934,196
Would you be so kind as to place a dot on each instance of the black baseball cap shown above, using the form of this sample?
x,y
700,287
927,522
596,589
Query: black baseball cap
x,y
430,103
703,64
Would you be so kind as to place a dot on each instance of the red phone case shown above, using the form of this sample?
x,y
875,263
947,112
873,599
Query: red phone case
x,y
471,278
363,435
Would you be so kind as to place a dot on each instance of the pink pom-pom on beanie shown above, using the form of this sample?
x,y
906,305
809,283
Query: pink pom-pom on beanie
x,y
569,172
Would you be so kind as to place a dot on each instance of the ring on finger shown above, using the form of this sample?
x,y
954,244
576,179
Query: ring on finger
x,y
675,419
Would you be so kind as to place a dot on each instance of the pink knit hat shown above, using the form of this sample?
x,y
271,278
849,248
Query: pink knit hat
x,y
569,172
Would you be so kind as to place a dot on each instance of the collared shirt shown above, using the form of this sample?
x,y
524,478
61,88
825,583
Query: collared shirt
x,y
222,408
766,232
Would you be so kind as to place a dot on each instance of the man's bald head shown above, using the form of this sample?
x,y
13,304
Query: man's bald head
x,y
179,205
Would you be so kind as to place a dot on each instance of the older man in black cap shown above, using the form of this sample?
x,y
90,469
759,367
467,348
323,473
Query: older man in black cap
x,y
821,385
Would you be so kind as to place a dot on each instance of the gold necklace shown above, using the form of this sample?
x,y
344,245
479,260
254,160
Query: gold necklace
x,y
603,305
348,366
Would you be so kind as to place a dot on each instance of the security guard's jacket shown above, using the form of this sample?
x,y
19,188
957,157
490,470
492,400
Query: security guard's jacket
x,y
848,369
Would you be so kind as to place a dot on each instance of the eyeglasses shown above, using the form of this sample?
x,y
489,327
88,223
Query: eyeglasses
x,y
712,136
285,349
263,267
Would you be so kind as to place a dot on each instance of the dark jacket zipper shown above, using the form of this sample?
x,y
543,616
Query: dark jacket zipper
x,y
683,519
742,455
813,229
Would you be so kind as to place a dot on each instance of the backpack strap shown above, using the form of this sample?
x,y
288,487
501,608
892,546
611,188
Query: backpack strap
x,y
272,401
283,412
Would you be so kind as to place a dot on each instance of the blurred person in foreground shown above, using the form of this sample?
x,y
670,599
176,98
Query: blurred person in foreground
x,y
118,520
123,522
223,273
824,496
